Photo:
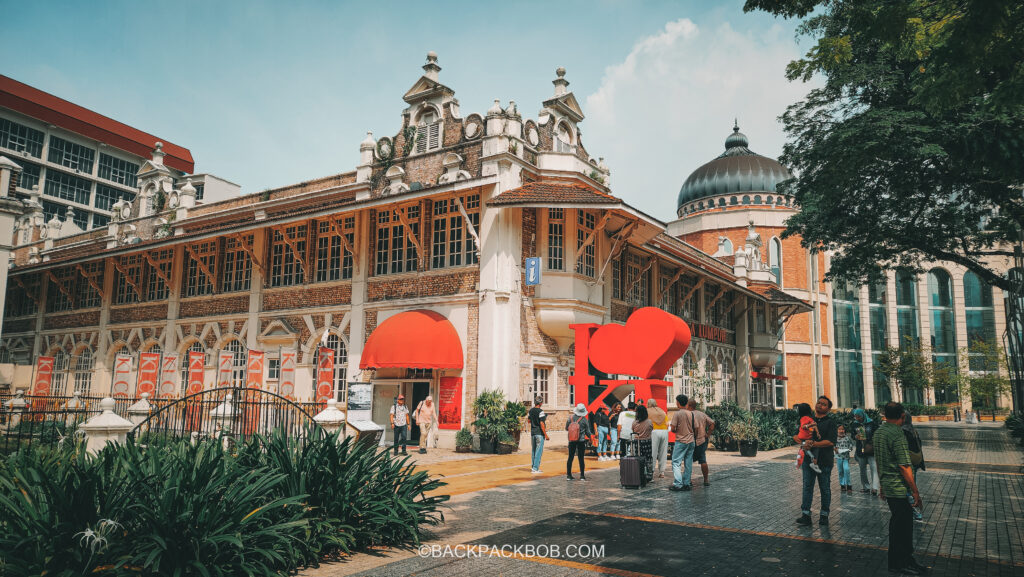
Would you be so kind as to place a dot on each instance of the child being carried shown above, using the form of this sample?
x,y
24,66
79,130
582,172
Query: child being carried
x,y
808,432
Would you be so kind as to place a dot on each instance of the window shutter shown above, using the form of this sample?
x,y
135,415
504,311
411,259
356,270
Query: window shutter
x,y
421,139
435,136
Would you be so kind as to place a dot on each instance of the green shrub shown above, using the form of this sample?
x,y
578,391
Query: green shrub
x,y
464,438
919,410
775,428
1015,423
174,508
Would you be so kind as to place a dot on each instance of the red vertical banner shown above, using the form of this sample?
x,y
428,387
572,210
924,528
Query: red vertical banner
x,y
289,358
193,409
44,376
324,374
149,372
449,403
120,387
168,384
253,380
225,361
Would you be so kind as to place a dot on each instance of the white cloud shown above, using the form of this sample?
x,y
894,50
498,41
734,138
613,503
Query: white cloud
x,y
668,106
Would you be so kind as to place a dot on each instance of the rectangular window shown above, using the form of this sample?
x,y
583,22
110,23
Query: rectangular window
x,y
86,294
71,155
428,137
106,196
638,277
200,189
203,255
328,252
117,170
128,279
286,257
451,243
158,270
584,227
19,297
21,138
237,274
67,186
556,238
29,174
61,285
100,220
687,307
383,251
455,240
668,297
616,279
273,369
439,240
540,384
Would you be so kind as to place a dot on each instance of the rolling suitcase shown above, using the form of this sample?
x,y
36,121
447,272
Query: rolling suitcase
x,y
630,470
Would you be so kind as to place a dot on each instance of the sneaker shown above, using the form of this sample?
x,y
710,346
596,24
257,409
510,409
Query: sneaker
x,y
918,516
814,467
804,520
823,520
570,478
582,478
675,488
616,457
535,471
686,488
707,483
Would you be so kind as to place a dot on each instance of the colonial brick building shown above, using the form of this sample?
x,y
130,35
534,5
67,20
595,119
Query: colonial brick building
x,y
410,268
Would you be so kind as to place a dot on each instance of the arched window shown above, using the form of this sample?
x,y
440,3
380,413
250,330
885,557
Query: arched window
x,y
980,316
83,371
238,365
335,343
775,258
849,367
428,130
564,139
727,246
61,369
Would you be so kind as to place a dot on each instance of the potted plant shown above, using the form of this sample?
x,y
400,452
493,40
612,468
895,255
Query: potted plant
x,y
513,414
464,441
489,408
506,444
746,433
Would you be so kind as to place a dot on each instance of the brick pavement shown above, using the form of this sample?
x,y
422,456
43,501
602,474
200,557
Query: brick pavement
x,y
742,525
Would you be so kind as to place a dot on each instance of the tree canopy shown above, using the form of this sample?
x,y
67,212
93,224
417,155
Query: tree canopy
x,y
913,149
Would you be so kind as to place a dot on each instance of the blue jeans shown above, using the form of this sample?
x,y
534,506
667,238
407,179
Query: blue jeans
x,y
538,450
824,486
401,435
615,440
682,458
604,444
843,466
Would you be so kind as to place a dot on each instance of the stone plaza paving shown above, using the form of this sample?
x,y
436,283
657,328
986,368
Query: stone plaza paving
x,y
743,524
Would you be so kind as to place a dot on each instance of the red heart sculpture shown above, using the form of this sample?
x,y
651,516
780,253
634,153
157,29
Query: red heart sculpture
x,y
646,347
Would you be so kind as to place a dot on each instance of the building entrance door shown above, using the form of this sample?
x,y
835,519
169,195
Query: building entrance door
x,y
383,399
417,391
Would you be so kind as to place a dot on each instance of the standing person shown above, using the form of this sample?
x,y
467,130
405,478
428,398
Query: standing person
x,y
659,436
682,424
577,426
642,429
865,454
625,426
916,453
826,460
844,450
602,422
808,431
613,428
425,416
538,433
705,425
897,475
399,417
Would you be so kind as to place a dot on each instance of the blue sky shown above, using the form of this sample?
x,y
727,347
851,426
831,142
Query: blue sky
x,y
272,93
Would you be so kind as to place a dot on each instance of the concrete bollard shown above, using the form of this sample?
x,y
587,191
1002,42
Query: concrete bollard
x,y
224,417
16,407
140,411
75,409
331,418
105,427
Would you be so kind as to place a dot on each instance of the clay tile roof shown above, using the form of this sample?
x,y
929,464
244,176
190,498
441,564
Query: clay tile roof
x,y
554,192
775,295
69,116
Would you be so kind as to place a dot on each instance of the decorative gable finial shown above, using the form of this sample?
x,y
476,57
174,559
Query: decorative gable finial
x,y
430,69
561,84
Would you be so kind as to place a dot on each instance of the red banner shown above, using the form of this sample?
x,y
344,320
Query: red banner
x,y
289,358
120,386
168,376
324,374
196,362
44,376
224,365
449,403
253,380
149,372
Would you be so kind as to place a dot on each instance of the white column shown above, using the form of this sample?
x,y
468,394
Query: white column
x,y
865,347
360,264
925,314
743,360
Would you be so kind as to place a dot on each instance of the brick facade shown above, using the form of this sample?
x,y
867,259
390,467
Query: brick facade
x,y
214,306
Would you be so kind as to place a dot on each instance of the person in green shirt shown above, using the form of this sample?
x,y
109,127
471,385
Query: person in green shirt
x,y
896,478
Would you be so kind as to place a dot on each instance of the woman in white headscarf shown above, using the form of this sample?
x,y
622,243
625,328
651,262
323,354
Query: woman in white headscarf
x,y
426,418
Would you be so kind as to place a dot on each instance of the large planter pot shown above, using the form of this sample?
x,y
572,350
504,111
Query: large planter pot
x,y
516,435
468,449
506,448
748,448
486,446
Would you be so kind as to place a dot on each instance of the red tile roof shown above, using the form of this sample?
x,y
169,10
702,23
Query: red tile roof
x,y
554,192
775,295
72,117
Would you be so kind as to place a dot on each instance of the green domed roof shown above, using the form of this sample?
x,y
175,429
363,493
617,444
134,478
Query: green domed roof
x,y
737,170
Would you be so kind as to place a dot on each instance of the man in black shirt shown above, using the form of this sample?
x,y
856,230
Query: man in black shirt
x,y
826,460
538,433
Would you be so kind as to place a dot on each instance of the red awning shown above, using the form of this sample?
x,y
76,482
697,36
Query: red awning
x,y
757,375
417,339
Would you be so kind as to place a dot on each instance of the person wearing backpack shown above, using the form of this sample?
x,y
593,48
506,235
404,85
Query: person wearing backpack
x,y
916,455
865,429
578,428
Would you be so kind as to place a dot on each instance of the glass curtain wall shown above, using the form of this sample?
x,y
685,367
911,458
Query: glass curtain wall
x,y
906,321
849,362
943,337
879,340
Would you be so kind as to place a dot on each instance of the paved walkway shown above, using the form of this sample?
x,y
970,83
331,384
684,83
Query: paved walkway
x,y
742,525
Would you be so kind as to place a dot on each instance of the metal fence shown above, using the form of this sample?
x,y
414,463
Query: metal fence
x,y
52,420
